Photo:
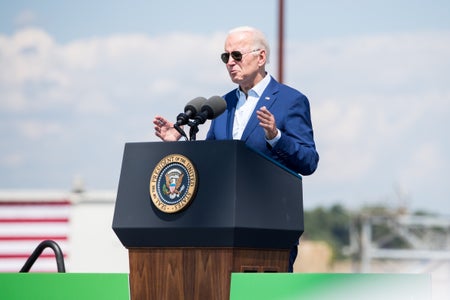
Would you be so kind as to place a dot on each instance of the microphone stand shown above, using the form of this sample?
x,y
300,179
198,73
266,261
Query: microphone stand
x,y
193,131
180,131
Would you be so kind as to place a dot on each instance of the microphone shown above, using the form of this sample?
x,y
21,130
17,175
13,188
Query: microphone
x,y
211,109
191,109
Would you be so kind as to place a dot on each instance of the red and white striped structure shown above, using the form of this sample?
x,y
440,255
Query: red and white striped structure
x,y
27,219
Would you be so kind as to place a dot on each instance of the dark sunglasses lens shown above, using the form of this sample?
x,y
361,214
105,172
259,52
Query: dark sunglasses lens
x,y
236,55
225,57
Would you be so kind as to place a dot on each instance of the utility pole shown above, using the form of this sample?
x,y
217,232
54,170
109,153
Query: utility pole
x,y
280,39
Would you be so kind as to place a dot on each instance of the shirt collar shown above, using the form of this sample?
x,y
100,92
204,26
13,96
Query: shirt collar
x,y
258,89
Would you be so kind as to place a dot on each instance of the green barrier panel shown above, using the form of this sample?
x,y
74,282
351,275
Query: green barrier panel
x,y
67,286
330,286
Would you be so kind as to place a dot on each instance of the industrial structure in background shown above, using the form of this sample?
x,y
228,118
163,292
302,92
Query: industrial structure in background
x,y
398,242
425,240
80,222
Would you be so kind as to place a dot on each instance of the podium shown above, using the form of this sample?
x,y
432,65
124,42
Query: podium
x,y
244,215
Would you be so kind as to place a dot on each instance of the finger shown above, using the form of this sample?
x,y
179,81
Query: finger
x,y
264,122
262,114
265,110
265,118
157,120
160,121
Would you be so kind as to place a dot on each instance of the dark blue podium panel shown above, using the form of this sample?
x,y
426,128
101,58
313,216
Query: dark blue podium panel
x,y
243,199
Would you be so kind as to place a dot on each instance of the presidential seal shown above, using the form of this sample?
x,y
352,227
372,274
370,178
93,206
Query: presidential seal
x,y
173,183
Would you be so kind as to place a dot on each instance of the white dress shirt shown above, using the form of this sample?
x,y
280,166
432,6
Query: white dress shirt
x,y
246,106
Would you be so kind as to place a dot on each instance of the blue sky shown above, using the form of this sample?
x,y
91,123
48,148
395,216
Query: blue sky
x,y
79,79
69,20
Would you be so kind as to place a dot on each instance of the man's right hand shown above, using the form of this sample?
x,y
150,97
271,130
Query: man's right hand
x,y
165,130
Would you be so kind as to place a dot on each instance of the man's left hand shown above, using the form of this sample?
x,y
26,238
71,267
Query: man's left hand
x,y
267,122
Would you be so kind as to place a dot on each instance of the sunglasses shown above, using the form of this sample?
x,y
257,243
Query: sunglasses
x,y
236,55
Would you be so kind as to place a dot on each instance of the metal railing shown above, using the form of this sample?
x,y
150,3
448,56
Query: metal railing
x,y
38,251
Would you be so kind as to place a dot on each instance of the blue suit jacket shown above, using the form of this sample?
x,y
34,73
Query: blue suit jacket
x,y
296,148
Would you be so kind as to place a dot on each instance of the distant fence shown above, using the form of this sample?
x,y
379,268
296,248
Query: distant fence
x,y
24,223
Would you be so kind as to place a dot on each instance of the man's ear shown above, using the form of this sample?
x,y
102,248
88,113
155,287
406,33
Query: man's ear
x,y
262,57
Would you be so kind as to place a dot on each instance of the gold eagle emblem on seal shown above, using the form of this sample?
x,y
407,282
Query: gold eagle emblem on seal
x,y
173,183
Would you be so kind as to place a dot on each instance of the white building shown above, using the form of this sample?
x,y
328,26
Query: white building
x,y
79,222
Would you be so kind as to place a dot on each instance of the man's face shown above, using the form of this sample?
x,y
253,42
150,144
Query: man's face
x,y
245,71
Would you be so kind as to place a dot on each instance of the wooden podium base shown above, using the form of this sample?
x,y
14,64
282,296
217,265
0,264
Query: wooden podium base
x,y
196,273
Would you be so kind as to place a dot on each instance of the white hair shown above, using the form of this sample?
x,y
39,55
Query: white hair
x,y
259,39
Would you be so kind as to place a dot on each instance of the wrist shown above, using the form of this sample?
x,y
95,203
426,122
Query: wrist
x,y
274,139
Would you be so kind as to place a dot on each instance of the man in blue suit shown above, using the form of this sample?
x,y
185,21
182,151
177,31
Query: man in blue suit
x,y
269,116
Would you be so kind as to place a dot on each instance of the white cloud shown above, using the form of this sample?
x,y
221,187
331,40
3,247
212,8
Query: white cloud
x,y
380,107
424,161
382,64
27,55
379,103
38,73
26,18
37,129
11,160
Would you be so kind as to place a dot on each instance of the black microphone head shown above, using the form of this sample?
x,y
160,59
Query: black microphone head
x,y
194,106
214,107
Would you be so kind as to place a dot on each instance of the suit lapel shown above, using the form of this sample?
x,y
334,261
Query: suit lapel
x,y
230,118
267,99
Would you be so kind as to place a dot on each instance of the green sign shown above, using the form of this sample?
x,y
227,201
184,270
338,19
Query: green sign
x,y
330,286
67,286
